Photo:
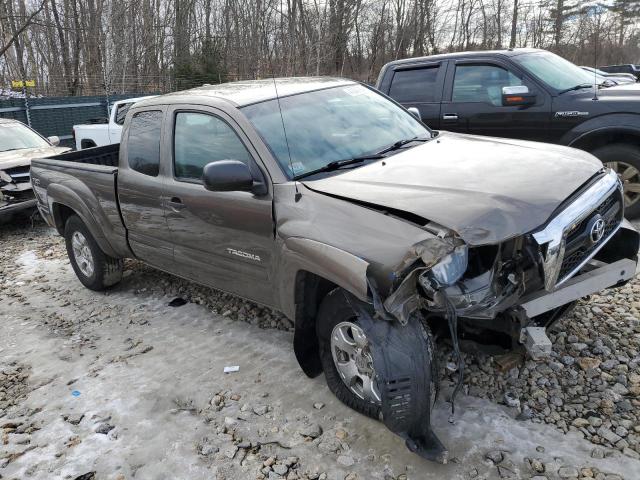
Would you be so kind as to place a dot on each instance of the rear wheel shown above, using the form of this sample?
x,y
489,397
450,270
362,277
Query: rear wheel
x,y
624,159
95,269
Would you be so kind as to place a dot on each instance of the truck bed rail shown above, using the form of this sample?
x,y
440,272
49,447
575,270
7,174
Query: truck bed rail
x,y
106,155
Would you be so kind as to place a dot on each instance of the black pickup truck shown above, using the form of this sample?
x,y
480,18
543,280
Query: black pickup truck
x,y
526,94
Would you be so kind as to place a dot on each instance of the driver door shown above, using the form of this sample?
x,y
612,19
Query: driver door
x,y
222,239
474,102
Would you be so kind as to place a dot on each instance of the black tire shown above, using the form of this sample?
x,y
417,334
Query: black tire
x,y
333,310
107,271
617,156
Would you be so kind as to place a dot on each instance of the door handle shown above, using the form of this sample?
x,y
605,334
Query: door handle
x,y
450,116
176,204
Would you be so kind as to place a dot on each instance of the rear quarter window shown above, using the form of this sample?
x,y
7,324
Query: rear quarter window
x,y
143,142
414,86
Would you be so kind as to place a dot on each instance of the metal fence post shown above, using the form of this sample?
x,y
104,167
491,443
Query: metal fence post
x,y
26,103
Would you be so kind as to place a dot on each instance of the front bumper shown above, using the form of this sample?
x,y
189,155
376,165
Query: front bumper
x,y
7,209
595,278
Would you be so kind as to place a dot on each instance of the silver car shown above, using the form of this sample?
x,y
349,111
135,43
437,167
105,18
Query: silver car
x,y
18,145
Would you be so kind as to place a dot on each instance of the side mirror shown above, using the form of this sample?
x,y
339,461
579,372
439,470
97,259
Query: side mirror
x,y
227,176
518,96
54,140
415,112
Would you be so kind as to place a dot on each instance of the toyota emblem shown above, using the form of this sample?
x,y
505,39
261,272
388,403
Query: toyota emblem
x,y
597,230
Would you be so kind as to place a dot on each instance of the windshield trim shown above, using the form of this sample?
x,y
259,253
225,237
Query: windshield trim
x,y
288,95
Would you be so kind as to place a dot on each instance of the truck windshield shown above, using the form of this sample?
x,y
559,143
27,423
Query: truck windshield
x,y
16,136
331,125
553,70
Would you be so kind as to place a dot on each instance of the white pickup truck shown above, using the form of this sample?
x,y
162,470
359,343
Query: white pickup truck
x,y
98,134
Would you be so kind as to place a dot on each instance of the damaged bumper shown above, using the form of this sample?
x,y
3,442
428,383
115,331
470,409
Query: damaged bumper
x,y
16,193
596,277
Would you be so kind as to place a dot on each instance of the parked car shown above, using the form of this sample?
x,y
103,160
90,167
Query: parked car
x,y
526,94
104,132
18,145
617,78
625,68
367,229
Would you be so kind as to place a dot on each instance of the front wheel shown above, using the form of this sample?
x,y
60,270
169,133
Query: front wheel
x,y
381,368
346,356
95,269
624,159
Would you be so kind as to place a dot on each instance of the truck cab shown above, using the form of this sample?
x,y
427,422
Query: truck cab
x,y
526,94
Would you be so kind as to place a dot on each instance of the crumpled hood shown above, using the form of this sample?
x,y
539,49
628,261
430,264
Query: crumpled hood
x,y
17,158
486,189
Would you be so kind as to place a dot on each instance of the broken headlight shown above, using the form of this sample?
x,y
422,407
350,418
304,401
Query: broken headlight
x,y
450,268
5,177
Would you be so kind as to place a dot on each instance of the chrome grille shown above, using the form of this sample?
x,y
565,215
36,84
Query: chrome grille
x,y
564,242
578,245
19,174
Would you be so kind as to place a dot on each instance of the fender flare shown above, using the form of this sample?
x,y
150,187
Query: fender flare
x,y
612,123
342,268
329,263
62,195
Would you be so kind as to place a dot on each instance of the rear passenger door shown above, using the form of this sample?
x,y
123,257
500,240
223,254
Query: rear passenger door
x,y
473,102
419,86
141,187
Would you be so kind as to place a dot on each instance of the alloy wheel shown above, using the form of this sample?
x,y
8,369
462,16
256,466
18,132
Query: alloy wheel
x,y
82,253
352,358
630,177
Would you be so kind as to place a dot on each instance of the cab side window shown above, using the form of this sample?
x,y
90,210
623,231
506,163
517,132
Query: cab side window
x,y
143,145
482,83
199,139
417,85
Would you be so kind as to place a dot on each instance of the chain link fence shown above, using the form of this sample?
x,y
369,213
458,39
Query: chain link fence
x,y
53,105
57,115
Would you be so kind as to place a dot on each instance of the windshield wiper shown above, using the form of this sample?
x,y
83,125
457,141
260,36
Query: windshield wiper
x,y
576,87
400,144
337,164
12,149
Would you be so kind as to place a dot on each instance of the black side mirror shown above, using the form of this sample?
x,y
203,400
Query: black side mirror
x,y
227,176
517,96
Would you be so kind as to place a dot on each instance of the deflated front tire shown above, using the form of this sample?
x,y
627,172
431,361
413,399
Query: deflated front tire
x,y
381,368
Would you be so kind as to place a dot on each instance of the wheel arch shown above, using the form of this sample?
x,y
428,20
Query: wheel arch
x,y
309,270
87,143
599,137
310,290
62,209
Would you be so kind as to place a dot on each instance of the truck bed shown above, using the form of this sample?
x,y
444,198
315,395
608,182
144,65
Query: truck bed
x,y
84,181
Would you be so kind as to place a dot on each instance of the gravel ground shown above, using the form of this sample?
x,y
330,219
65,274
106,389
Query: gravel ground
x,y
119,386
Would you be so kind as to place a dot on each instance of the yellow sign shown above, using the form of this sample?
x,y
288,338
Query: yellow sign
x,y
20,83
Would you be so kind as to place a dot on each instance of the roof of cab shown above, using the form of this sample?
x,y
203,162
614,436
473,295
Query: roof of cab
x,y
508,52
247,92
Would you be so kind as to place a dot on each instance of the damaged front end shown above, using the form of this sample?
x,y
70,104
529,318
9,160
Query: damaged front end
x,y
15,190
513,290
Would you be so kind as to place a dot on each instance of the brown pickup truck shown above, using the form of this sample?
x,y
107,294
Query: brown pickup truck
x,y
324,199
